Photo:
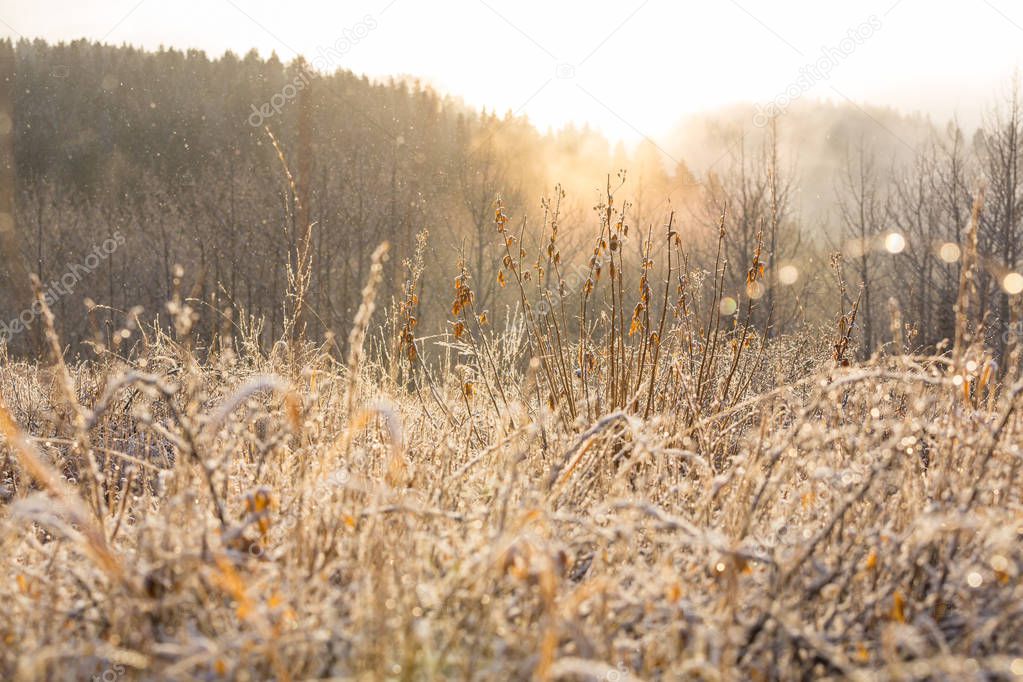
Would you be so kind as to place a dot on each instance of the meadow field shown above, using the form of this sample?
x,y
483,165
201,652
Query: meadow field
x,y
492,340
636,484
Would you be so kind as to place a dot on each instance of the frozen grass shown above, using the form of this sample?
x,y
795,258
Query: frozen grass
x,y
623,484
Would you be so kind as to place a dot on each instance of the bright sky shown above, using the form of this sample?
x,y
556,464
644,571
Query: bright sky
x,y
631,68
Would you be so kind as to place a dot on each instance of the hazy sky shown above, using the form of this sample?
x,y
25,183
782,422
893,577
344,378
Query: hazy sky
x,y
632,67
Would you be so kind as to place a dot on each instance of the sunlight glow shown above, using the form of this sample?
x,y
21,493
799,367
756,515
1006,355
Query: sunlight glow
x,y
569,62
788,274
949,252
894,243
1013,283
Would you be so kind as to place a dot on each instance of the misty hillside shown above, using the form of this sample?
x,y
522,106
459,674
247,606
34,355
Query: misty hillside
x,y
817,139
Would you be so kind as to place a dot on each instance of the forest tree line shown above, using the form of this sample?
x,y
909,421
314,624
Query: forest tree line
x,y
172,158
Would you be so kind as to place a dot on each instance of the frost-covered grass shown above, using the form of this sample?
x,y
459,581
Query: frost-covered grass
x,y
655,494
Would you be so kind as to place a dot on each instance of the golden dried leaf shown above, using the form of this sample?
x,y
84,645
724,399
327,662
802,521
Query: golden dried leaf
x,y
871,562
898,611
